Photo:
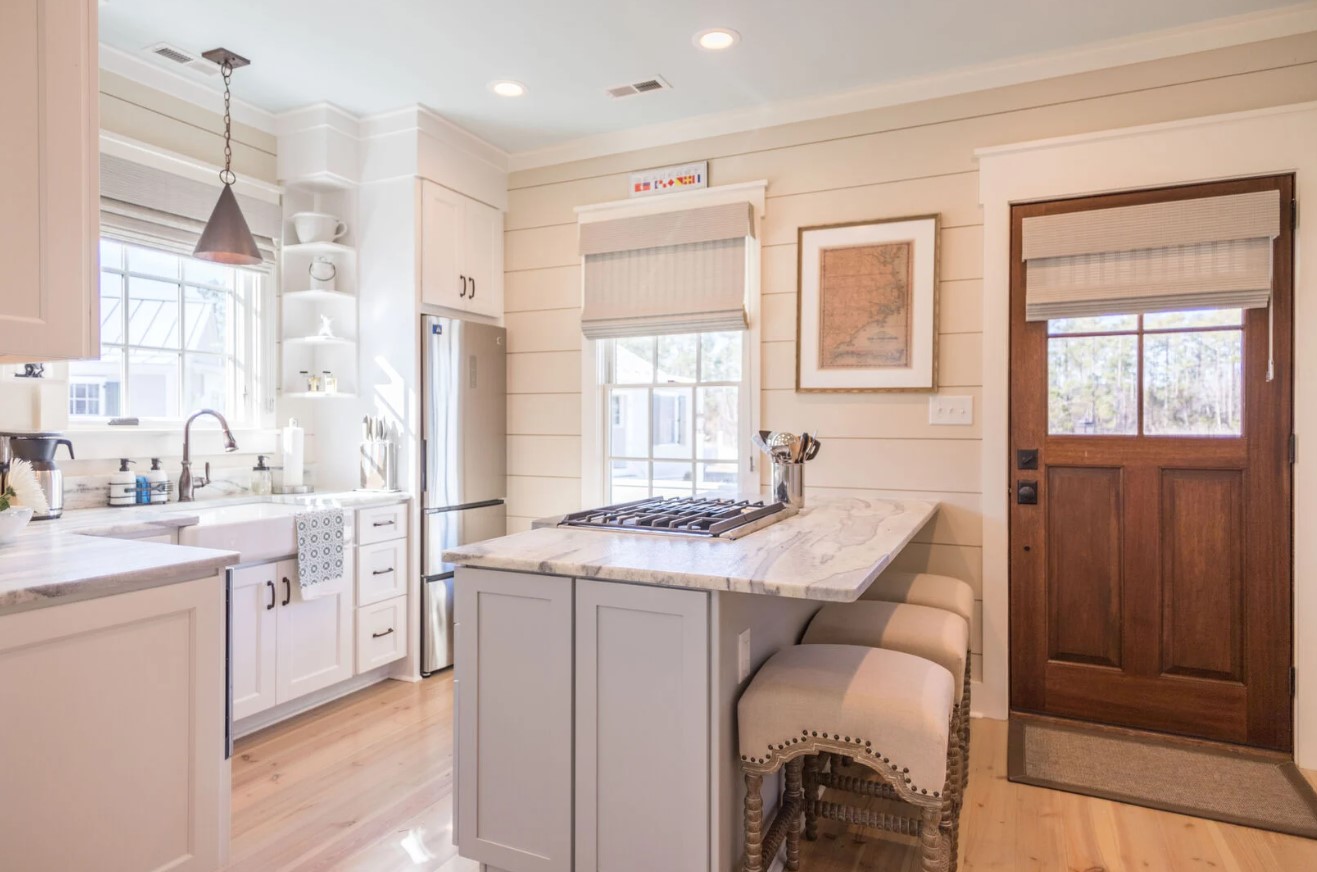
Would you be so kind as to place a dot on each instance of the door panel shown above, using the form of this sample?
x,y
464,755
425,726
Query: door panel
x,y
315,636
1151,580
252,653
1084,575
1203,576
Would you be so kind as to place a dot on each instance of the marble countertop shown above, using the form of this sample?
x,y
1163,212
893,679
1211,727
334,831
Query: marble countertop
x,y
90,553
830,551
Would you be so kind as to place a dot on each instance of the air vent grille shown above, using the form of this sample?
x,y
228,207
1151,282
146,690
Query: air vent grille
x,y
642,87
176,55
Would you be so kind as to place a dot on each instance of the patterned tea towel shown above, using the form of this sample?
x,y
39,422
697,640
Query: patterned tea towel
x,y
320,552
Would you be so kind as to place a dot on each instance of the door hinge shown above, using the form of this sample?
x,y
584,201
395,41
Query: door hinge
x,y
1293,446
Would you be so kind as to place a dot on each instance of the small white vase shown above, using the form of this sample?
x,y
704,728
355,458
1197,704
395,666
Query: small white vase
x,y
12,522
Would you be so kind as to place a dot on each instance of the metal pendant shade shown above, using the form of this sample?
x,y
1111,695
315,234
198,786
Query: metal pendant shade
x,y
227,238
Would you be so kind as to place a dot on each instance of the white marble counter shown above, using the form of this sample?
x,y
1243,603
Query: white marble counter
x,y
90,553
830,551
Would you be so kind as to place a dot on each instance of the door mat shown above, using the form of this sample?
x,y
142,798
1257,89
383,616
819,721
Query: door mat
x,y
1237,786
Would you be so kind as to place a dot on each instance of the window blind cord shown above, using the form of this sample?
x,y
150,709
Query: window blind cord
x,y
1271,340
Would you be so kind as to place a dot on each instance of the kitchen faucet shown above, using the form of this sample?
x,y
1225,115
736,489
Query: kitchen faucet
x,y
186,483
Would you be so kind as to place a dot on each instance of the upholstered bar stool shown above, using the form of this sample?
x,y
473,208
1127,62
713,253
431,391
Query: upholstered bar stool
x,y
923,631
887,710
939,592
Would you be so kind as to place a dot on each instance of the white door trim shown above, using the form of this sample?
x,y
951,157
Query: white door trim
x,y
1261,142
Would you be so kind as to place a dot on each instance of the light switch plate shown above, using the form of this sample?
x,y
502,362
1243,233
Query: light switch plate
x,y
956,411
743,655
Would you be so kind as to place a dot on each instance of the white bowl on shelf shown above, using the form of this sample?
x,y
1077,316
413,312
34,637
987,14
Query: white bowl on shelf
x,y
12,522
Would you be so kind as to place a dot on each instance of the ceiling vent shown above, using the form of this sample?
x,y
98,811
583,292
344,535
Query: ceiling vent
x,y
658,83
178,56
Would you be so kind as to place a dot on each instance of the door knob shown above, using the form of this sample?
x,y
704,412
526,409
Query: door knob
x,y
1026,492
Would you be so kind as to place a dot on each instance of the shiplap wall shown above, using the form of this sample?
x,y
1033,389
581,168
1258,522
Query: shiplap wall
x,y
905,160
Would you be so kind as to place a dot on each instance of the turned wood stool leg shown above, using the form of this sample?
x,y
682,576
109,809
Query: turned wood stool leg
x,y
811,794
754,823
794,795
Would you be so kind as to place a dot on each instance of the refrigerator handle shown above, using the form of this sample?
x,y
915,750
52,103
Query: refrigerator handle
x,y
425,471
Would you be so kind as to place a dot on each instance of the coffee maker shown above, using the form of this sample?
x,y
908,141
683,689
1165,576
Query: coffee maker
x,y
39,449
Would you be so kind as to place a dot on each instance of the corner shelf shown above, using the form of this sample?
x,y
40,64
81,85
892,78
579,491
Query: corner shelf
x,y
318,248
319,340
318,295
318,395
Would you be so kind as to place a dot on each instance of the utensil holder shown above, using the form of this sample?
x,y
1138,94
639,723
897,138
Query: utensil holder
x,y
789,483
378,465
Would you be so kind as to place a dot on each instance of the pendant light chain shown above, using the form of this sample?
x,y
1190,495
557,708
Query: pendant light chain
x,y
227,176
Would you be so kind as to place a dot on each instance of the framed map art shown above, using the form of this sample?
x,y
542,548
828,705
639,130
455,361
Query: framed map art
x,y
867,316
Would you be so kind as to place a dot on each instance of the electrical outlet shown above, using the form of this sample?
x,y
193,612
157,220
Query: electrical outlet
x,y
743,655
957,411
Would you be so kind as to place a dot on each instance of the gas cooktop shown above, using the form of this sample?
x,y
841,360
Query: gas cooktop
x,y
709,517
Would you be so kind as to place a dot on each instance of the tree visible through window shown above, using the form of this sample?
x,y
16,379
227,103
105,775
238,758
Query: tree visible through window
x,y
674,414
176,335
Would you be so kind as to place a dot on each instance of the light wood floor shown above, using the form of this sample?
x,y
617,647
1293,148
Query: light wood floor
x,y
365,784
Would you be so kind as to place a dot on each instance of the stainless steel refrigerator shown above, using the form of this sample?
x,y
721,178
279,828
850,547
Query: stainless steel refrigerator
x,y
464,385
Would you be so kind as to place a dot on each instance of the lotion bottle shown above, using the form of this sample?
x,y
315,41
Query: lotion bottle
x,y
158,481
123,485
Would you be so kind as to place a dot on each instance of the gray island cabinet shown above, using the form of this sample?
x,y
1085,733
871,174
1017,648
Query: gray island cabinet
x,y
597,675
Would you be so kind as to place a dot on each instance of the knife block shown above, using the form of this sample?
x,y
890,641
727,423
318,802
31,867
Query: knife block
x,y
378,465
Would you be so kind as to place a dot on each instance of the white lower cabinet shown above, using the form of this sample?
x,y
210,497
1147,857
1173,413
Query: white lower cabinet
x,y
253,603
314,637
583,718
381,633
281,645
514,645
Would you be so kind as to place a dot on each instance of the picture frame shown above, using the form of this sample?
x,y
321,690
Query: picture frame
x,y
867,306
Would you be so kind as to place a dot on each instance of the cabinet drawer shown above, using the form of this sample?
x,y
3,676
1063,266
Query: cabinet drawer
x,y
381,523
381,633
381,571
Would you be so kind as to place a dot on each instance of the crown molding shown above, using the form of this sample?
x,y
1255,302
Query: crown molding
x,y
198,92
1205,36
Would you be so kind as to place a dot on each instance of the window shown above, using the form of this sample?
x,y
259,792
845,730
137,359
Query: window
x,y
177,334
1160,374
676,421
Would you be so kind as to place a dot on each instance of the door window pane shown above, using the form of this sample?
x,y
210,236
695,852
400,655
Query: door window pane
x,y
1193,383
1193,318
1092,385
1096,324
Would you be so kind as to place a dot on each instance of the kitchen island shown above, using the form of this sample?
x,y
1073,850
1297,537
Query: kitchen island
x,y
597,675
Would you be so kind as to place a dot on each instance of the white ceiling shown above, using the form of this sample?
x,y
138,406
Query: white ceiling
x,y
370,57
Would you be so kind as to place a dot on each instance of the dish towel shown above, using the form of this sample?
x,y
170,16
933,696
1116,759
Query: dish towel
x,y
320,552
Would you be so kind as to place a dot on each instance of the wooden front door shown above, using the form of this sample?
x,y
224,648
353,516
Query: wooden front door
x,y
1150,579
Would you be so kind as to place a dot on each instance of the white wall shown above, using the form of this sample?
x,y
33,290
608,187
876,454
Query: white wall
x,y
910,159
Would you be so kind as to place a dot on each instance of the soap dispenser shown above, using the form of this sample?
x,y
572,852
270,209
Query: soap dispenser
x,y
123,485
262,484
158,481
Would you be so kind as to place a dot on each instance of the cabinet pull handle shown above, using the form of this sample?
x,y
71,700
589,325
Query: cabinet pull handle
x,y
382,571
288,592
379,635
270,584
384,523
463,291
472,295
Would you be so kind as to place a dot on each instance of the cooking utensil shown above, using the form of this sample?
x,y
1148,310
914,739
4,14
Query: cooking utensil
x,y
813,450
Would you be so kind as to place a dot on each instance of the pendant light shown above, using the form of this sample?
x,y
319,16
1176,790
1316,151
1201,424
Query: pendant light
x,y
227,239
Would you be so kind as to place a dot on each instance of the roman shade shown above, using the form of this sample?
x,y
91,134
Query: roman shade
x,y
672,272
1205,253
149,206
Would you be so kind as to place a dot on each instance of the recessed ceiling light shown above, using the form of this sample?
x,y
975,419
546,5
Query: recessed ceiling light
x,y
507,88
717,38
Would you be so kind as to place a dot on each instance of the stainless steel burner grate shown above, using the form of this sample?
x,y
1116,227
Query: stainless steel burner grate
x,y
690,516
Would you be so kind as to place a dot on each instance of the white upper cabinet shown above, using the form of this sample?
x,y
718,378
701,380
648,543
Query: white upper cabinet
x,y
461,252
49,226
